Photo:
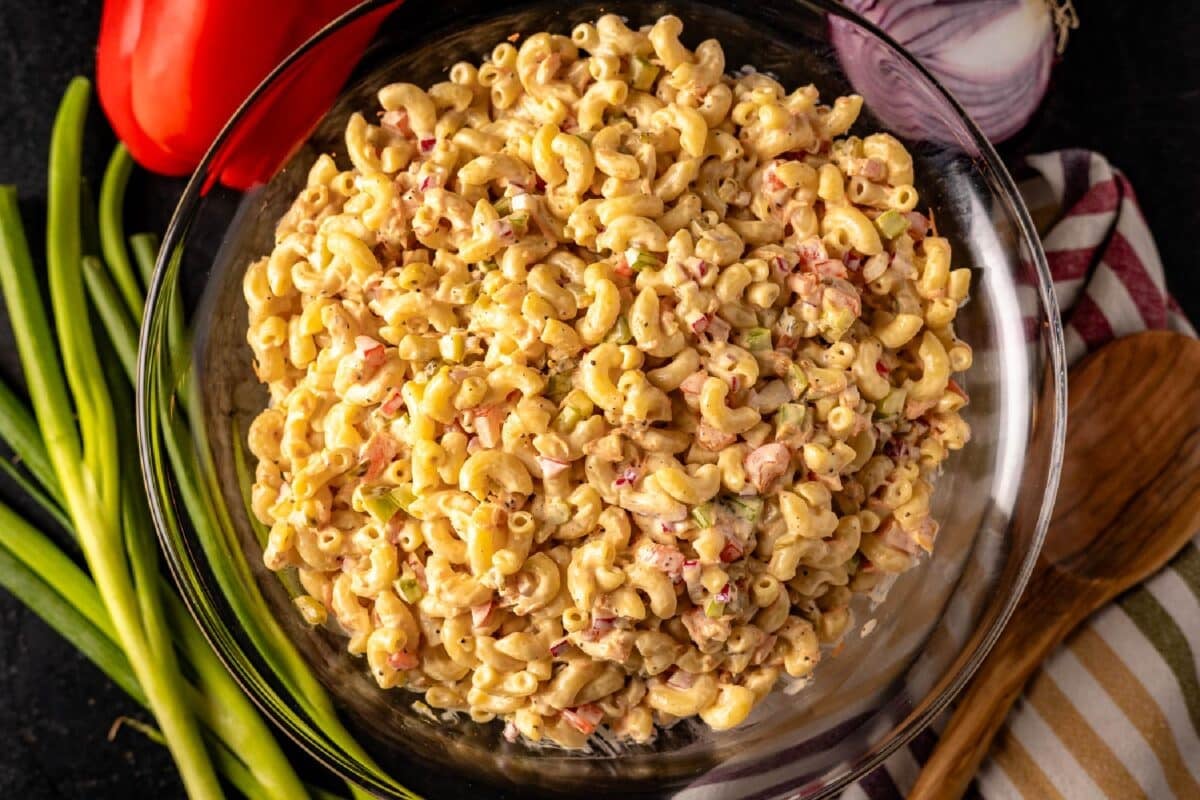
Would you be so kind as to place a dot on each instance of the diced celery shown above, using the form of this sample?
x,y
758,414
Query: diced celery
x,y
503,206
748,508
797,380
409,588
558,385
381,505
714,609
639,260
488,266
789,419
891,223
893,404
703,515
642,73
621,333
758,339
520,223
567,419
836,321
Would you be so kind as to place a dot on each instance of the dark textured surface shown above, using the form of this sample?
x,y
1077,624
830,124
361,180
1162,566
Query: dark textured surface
x,y
1129,87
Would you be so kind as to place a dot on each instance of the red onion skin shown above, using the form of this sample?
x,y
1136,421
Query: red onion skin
x,y
928,29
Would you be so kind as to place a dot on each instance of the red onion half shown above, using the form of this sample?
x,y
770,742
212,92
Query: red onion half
x,y
994,56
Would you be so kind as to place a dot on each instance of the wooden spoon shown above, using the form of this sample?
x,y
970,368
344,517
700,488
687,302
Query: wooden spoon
x,y
1128,501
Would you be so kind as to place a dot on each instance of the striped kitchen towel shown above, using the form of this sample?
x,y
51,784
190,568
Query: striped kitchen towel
x,y
1115,712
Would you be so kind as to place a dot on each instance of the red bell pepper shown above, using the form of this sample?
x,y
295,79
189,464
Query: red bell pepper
x,y
170,73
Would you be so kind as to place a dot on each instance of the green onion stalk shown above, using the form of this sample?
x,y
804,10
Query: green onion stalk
x,y
125,618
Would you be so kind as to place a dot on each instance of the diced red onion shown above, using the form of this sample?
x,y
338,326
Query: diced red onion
x,y
628,477
427,183
881,368
584,718
372,352
719,329
661,557
681,679
873,169
488,420
918,225
697,266
396,120
725,595
481,613
502,229
559,647
601,624
427,145
552,466
812,251
693,383
699,324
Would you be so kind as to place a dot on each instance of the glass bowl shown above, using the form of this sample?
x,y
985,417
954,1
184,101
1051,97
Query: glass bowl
x,y
197,394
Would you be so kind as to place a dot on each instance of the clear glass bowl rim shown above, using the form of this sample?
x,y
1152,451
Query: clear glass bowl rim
x,y
322,751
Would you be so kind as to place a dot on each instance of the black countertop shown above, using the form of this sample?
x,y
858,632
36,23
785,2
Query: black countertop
x,y
1129,87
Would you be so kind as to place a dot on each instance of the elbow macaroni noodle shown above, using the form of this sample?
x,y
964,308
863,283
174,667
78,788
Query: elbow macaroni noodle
x,y
600,382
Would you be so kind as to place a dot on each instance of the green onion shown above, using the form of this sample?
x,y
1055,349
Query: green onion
x,y
112,239
120,327
714,609
642,73
891,223
145,253
797,380
758,339
409,588
703,515
620,332
20,430
748,508
86,459
503,206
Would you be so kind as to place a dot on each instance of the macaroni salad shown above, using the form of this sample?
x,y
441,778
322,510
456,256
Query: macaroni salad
x,y
600,382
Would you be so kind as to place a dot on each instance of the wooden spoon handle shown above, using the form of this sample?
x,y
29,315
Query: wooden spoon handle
x,y
1024,644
